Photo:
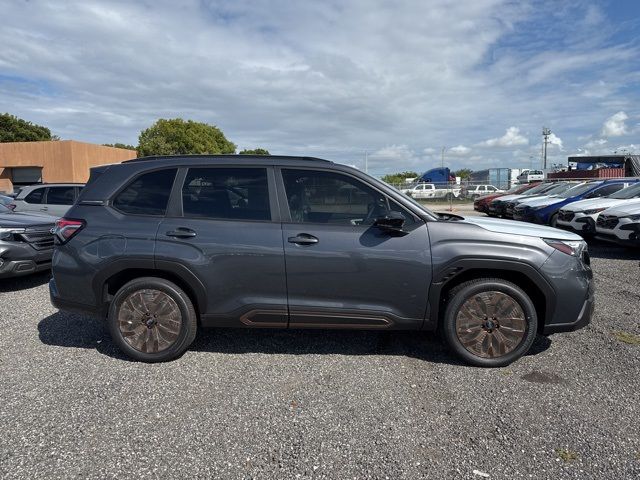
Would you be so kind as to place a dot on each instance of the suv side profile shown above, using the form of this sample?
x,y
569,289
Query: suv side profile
x,y
160,247
51,199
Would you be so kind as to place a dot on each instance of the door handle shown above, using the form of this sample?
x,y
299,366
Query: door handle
x,y
181,233
303,239
44,209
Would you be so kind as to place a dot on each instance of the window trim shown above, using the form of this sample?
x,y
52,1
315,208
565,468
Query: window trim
x,y
132,179
286,213
175,209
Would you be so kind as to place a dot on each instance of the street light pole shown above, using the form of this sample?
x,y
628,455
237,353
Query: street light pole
x,y
545,133
442,156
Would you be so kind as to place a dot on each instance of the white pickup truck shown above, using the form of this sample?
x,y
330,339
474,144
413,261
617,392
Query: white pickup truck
x,y
429,190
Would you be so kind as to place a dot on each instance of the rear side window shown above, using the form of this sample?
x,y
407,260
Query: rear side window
x,y
148,194
226,193
35,196
60,195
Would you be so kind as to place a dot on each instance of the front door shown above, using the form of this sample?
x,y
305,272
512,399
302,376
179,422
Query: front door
x,y
342,271
223,232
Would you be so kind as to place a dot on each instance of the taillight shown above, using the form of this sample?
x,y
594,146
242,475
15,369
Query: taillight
x,y
66,228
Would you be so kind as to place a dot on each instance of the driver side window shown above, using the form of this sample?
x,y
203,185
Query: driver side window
x,y
332,198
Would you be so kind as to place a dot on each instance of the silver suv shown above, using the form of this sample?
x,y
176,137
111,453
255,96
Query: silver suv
x,y
50,199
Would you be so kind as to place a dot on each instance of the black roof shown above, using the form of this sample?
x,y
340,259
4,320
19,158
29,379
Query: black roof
x,y
253,158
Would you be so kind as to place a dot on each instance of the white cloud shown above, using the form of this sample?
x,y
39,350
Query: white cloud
x,y
555,140
615,125
596,143
511,138
459,151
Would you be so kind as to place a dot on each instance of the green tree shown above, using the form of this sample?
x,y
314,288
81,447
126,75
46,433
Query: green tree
x,y
398,178
177,136
255,151
119,145
464,173
14,129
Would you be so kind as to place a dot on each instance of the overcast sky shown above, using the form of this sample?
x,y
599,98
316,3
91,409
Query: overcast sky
x,y
335,79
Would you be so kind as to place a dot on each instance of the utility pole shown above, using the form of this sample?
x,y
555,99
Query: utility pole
x,y
545,133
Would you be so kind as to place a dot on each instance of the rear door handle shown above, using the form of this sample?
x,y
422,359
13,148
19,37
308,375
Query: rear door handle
x,y
181,233
303,239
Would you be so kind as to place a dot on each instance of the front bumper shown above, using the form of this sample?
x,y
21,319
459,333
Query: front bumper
x,y
18,258
581,225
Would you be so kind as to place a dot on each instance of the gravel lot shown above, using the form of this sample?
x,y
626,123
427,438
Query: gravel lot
x,y
319,404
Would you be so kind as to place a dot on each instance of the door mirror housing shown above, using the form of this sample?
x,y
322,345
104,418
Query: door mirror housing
x,y
390,222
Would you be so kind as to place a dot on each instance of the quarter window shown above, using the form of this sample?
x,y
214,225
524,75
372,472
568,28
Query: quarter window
x,y
35,196
148,194
226,193
60,195
331,198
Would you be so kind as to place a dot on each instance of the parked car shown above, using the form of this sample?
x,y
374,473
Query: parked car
x,y
545,210
581,216
528,176
430,190
7,202
161,246
557,189
26,243
475,191
620,224
497,207
481,204
52,199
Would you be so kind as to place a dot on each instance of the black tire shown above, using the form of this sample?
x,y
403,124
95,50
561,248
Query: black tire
x,y
505,289
181,306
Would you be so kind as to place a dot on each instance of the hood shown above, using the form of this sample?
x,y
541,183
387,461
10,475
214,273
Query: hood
x,y
591,203
24,220
541,201
512,227
627,208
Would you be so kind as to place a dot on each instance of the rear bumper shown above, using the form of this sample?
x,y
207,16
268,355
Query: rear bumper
x,y
69,306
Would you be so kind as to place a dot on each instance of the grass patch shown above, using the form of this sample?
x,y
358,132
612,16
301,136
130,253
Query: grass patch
x,y
626,337
566,455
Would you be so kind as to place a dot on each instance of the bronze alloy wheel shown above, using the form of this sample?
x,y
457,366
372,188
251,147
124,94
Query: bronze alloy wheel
x,y
490,324
149,320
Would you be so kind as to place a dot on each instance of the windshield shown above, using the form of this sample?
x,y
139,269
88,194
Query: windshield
x,y
579,190
630,192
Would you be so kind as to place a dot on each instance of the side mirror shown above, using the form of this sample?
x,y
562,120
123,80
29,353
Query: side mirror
x,y
390,222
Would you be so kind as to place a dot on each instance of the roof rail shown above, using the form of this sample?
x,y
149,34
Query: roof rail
x,y
261,157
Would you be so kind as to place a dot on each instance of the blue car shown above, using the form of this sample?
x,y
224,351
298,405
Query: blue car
x,y
545,210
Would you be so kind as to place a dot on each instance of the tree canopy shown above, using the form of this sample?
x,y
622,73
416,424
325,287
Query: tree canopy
x,y
14,129
464,173
119,145
255,151
177,136
400,177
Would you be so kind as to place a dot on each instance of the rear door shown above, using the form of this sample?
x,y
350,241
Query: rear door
x,y
224,227
342,272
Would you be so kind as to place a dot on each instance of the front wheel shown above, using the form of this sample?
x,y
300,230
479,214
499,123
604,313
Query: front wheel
x,y
489,322
152,320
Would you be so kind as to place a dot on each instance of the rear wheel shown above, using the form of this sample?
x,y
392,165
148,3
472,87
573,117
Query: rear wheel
x,y
489,322
152,320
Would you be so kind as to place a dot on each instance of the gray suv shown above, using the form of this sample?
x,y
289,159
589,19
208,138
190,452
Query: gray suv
x,y
162,246
49,199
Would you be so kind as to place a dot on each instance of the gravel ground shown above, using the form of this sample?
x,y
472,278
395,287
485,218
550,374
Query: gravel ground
x,y
319,404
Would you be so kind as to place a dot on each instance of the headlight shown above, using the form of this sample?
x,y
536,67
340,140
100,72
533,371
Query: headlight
x,y
570,247
7,233
634,218
594,210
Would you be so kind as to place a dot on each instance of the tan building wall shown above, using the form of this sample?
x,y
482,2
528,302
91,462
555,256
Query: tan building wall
x,y
61,161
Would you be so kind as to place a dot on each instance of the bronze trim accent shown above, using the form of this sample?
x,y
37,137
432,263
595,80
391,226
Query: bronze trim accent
x,y
246,318
377,322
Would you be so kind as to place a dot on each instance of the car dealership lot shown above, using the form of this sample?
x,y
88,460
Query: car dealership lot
x,y
319,404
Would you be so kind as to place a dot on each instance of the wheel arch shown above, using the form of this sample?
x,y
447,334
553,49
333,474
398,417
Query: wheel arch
x,y
523,275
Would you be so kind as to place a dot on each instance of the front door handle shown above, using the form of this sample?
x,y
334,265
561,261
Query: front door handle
x,y
181,233
303,239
